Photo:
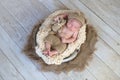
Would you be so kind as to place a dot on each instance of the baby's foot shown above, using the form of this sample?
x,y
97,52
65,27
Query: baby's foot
x,y
45,52
51,53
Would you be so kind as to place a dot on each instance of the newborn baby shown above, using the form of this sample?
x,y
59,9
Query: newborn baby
x,y
67,34
70,31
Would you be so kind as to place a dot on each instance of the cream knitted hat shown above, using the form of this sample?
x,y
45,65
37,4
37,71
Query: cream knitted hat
x,y
77,17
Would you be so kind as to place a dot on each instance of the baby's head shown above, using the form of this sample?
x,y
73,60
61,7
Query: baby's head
x,y
73,24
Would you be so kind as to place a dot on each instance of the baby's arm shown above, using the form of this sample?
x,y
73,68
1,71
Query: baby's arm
x,y
72,39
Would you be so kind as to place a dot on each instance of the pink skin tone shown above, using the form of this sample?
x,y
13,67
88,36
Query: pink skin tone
x,y
67,35
48,50
70,31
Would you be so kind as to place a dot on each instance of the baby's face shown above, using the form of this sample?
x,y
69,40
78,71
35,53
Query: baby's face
x,y
73,24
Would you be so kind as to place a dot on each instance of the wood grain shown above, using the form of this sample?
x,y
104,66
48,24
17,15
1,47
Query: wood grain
x,y
107,10
7,70
20,61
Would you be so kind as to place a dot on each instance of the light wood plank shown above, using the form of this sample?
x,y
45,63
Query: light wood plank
x,y
7,70
1,78
84,75
25,12
108,56
101,71
16,14
43,12
64,76
33,7
52,5
20,61
107,10
12,27
108,35
51,75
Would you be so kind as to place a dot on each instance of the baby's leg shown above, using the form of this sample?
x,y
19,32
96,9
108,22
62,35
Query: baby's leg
x,y
50,41
53,52
48,50
48,47
60,48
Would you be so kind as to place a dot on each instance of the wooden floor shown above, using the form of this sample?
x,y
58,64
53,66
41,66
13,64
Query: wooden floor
x,y
18,17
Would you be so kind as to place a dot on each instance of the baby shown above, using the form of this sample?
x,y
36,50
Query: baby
x,y
70,31
67,34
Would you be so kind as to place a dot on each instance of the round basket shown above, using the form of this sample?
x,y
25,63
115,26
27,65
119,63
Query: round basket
x,y
72,49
